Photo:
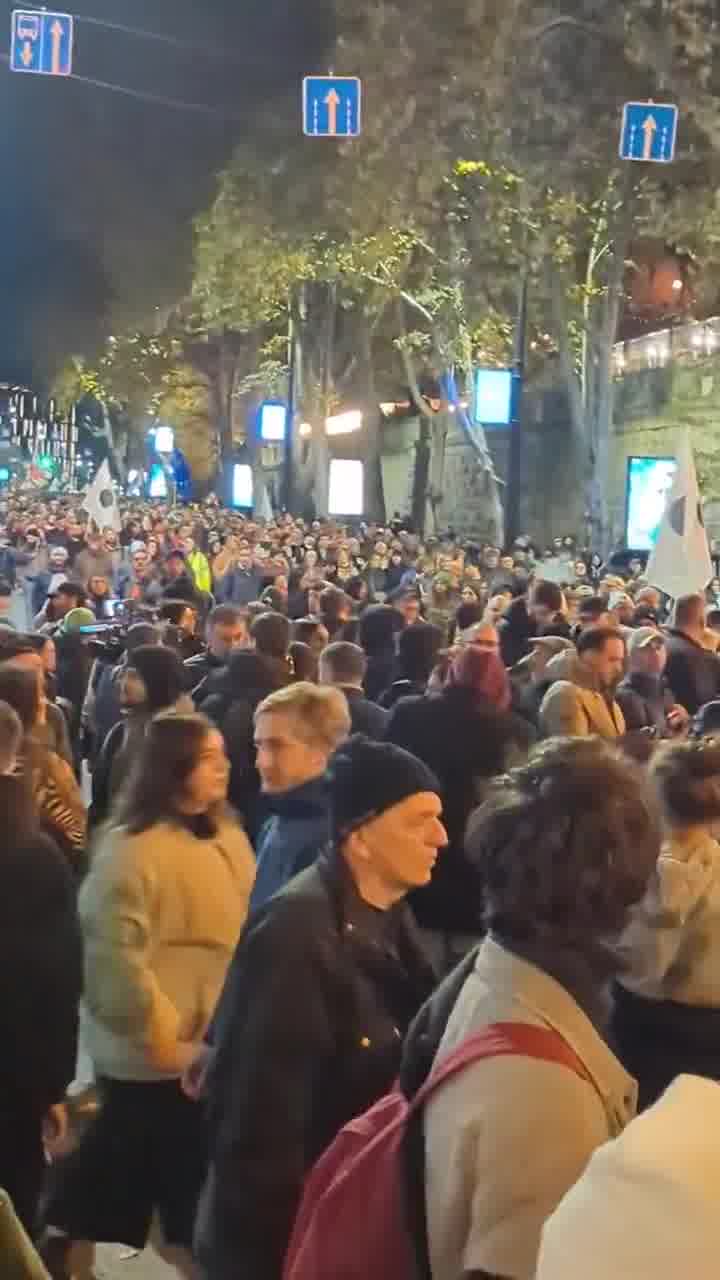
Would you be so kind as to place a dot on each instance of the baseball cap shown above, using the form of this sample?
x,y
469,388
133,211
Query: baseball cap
x,y
641,637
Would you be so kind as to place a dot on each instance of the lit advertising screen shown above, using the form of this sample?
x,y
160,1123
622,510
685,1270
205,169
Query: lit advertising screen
x,y
649,481
157,482
347,484
242,488
493,397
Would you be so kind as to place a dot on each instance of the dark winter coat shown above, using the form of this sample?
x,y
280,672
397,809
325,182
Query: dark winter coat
x,y
308,1033
295,832
365,716
657,1040
693,673
465,745
41,964
198,670
645,702
233,696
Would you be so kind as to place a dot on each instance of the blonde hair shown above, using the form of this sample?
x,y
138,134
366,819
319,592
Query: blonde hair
x,y
321,712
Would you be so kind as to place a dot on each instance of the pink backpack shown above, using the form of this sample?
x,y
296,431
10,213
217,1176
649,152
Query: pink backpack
x,y
351,1224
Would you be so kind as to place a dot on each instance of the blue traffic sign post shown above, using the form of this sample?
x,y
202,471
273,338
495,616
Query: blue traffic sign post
x,y
332,106
649,132
42,43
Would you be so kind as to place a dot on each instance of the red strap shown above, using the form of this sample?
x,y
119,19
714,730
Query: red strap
x,y
504,1039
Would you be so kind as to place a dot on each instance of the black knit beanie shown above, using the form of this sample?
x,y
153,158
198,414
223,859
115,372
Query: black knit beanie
x,y
368,778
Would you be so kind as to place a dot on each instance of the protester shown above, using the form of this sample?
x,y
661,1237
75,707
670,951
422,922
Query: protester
x,y
644,699
296,730
102,708
528,696
538,613
323,985
668,1000
56,797
344,665
227,630
379,626
177,582
466,735
42,966
165,899
37,653
233,696
692,672
153,680
240,584
418,649
95,561
566,845
585,704
646,1206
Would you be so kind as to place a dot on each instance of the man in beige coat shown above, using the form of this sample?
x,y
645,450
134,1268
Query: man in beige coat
x,y
584,703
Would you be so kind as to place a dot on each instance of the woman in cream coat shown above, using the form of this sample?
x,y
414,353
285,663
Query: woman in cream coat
x,y
162,908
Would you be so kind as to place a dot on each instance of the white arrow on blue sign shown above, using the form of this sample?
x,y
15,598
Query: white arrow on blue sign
x,y
649,132
41,42
332,106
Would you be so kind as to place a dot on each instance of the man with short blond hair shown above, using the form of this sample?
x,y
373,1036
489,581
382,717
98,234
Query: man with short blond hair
x,y
296,730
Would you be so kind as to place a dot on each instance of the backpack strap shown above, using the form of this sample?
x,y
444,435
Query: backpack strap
x,y
503,1039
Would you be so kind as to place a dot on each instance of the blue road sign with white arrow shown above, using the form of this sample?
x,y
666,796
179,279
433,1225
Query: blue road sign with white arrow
x,y
649,132
42,43
332,106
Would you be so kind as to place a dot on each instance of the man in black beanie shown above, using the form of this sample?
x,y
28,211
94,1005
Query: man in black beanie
x,y
325,981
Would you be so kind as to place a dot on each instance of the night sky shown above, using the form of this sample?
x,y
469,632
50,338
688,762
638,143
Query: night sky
x,y
99,190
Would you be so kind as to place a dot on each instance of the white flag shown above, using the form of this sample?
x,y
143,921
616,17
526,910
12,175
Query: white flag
x,y
100,501
680,561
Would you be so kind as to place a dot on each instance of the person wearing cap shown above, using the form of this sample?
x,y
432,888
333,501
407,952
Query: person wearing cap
x,y
645,700
48,581
583,704
648,1206
177,580
324,984
528,696
102,708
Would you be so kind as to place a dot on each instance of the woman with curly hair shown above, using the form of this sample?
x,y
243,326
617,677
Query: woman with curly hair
x,y
667,1016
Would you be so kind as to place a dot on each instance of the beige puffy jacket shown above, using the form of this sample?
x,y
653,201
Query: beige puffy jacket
x,y
161,914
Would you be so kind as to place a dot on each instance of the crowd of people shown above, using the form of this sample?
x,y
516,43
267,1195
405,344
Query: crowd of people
x,y
299,816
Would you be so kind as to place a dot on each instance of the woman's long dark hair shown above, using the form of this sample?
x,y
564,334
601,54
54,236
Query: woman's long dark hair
x,y
170,752
18,815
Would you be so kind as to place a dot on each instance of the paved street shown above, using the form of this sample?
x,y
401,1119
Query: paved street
x,y
113,1263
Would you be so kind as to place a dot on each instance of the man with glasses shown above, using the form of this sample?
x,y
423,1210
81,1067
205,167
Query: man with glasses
x,y
646,701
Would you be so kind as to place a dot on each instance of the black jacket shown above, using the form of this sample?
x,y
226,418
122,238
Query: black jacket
x,y
464,745
41,964
233,695
402,688
365,716
657,1040
645,702
518,628
693,673
181,588
308,1033
198,670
